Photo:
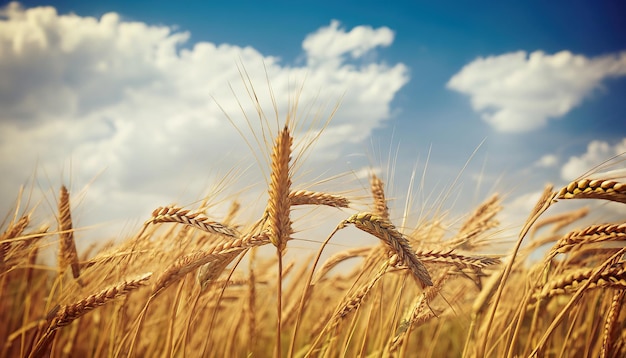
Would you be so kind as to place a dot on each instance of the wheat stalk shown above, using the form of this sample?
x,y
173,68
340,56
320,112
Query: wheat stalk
x,y
339,257
279,213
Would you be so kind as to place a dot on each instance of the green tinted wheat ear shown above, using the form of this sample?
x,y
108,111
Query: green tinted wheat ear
x,y
67,246
174,214
388,234
594,189
279,202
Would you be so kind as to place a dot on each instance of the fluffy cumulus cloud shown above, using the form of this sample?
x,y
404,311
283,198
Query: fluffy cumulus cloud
x,y
133,100
547,161
331,43
597,153
517,92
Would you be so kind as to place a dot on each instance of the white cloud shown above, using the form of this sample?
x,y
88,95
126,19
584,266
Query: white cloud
x,y
330,43
516,92
597,153
547,161
127,98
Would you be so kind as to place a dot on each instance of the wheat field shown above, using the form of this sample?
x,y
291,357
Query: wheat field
x,y
189,284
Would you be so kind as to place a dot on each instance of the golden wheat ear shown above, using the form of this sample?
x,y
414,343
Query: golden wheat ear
x,y
594,189
13,231
378,193
279,202
388,234
305,197
173,214
67,246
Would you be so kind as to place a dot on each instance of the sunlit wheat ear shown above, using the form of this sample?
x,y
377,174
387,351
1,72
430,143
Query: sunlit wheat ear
x,y
172,214
190,262
12,232
378,193
208,273
305,197
614,277
67,247
480,221
355,301
64,315
590,235
388,234
612,320
449,257
211,271
419,313
232,212
279,202
594,189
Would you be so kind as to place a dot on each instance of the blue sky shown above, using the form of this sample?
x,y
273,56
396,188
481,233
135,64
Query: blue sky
x,y
541,83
